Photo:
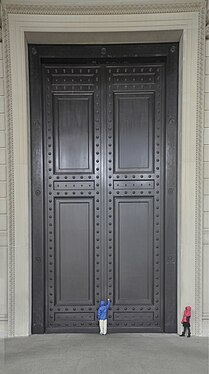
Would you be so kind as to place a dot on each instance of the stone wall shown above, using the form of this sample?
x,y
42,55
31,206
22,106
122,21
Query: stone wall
x,y
3,204
206,195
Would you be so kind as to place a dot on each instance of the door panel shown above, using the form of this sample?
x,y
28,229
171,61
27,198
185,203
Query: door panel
x,y
74,256
103,156
133,251
133,122
136,120
73,132
72,205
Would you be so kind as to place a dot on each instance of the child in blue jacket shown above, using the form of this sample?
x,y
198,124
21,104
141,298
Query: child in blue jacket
x,y
102,316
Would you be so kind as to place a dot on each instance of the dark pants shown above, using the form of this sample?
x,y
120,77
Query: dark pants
x,y
186,327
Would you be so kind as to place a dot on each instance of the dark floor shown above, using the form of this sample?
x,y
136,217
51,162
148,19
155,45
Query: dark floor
x,y
110,354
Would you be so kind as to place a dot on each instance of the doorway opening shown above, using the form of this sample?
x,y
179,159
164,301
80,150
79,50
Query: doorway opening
x,y
104,186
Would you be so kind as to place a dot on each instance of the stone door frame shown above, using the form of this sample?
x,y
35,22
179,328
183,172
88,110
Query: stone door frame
x,y
184,23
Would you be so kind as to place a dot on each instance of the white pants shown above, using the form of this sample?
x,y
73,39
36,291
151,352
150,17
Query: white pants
x,y
103,326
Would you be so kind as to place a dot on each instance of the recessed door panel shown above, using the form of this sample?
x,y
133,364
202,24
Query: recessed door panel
x,y
74,251
134,123
133,251
73,130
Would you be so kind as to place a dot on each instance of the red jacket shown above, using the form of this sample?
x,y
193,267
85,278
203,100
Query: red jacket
x,y
187,314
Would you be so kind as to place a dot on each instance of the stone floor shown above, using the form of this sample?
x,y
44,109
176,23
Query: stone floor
x,y
110,354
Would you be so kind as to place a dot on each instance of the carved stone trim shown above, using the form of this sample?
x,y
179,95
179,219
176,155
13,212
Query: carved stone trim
x,y
207,25
105,10
199,172
3,317
207,31
10,177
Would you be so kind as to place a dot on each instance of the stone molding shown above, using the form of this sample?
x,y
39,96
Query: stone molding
x,y
3,317
105,9
199,171
207,31
198,7
10,178
207,25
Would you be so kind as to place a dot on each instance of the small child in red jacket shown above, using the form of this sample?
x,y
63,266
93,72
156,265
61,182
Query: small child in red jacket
x,y
186,321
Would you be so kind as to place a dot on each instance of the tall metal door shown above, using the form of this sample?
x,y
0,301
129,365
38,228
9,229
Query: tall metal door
x,y
101,163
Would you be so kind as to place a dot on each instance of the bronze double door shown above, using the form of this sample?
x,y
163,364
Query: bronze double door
x,y
103,140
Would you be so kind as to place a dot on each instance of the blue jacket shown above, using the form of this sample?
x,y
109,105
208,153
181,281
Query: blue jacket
x,y
103,309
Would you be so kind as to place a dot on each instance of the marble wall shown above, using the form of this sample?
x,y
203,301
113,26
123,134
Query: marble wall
x,y
206,199
4,216
3,205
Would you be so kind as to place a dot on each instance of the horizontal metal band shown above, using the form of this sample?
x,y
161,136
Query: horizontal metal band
x,y
74,317
148,316
73,185
133,185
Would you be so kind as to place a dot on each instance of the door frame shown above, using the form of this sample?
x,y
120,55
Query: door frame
x,y
20,25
